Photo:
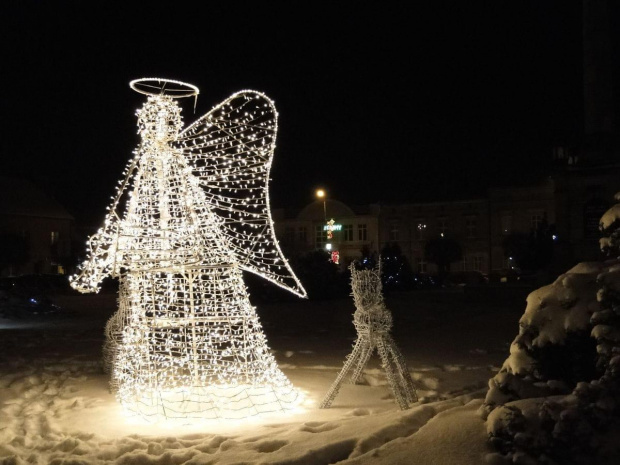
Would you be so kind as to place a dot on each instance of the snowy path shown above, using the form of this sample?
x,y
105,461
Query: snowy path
x,y
55,406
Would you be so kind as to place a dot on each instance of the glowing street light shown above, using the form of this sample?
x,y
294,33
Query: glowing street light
x,y
329,227
320,194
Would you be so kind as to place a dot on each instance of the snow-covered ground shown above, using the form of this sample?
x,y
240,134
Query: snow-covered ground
x,y
55,406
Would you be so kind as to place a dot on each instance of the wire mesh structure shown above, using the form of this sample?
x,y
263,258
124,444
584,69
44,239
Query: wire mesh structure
x,y
373,322
190,214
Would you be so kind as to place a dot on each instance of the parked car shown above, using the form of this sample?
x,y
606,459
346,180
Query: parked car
x,y
25,295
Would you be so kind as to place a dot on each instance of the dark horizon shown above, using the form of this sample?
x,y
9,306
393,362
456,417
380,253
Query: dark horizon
x,y
375,105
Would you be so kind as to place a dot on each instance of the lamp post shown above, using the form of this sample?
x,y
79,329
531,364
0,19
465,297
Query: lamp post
x,y
320,193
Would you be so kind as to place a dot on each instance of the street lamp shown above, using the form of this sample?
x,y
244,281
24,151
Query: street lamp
x,y
320,193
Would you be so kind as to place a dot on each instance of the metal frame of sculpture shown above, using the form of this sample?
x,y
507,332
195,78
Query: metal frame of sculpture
x,y
190,214
373,322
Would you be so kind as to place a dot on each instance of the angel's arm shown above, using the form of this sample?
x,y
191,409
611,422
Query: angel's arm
x,y
101,258
102,247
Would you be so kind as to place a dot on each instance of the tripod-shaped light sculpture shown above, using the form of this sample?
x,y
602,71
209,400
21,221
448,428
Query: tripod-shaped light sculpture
x,y
373,322
190,214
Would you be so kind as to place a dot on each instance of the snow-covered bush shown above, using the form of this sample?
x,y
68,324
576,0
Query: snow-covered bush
x,y
556,399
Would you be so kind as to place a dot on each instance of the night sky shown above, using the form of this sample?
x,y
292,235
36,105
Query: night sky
x,y
377,102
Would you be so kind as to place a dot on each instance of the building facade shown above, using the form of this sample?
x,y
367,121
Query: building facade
x,y
411,225
571,202
353,230
44,226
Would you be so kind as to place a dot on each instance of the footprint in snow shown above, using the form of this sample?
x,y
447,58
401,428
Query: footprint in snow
x,y
318,427
358,412
270,445
254,439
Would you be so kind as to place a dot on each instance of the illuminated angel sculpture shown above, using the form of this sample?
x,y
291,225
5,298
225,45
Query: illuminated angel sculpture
x,y
373,322
190,214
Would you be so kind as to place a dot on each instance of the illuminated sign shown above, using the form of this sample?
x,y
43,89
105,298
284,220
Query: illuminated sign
x,y
330,227
336,257
335,227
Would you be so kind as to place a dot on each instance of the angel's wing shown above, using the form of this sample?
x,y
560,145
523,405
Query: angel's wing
x,y
230,151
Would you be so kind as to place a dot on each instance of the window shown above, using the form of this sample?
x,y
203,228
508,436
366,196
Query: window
x,y
347,232
302,234
471,226
506,224
476,263
536,219
362,232
54,237
465,264
443,226
393,231
421,265
320,237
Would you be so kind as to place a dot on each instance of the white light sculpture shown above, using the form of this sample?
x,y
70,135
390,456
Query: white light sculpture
x,y
192,212
373,322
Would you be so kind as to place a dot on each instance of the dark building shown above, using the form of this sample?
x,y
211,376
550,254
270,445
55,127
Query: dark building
x,y
571,201
44,226
354,229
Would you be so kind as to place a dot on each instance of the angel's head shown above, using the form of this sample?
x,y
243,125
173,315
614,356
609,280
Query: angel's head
x,y
159,119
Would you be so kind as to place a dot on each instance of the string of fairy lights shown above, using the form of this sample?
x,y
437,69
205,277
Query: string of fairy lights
x,y
190,213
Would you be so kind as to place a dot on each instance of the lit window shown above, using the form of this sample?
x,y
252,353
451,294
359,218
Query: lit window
x,y
54,237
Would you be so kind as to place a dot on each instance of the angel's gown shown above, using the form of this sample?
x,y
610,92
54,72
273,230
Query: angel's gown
x,y
186,341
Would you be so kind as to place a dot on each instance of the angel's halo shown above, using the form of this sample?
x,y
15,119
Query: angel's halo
x,y
161,86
